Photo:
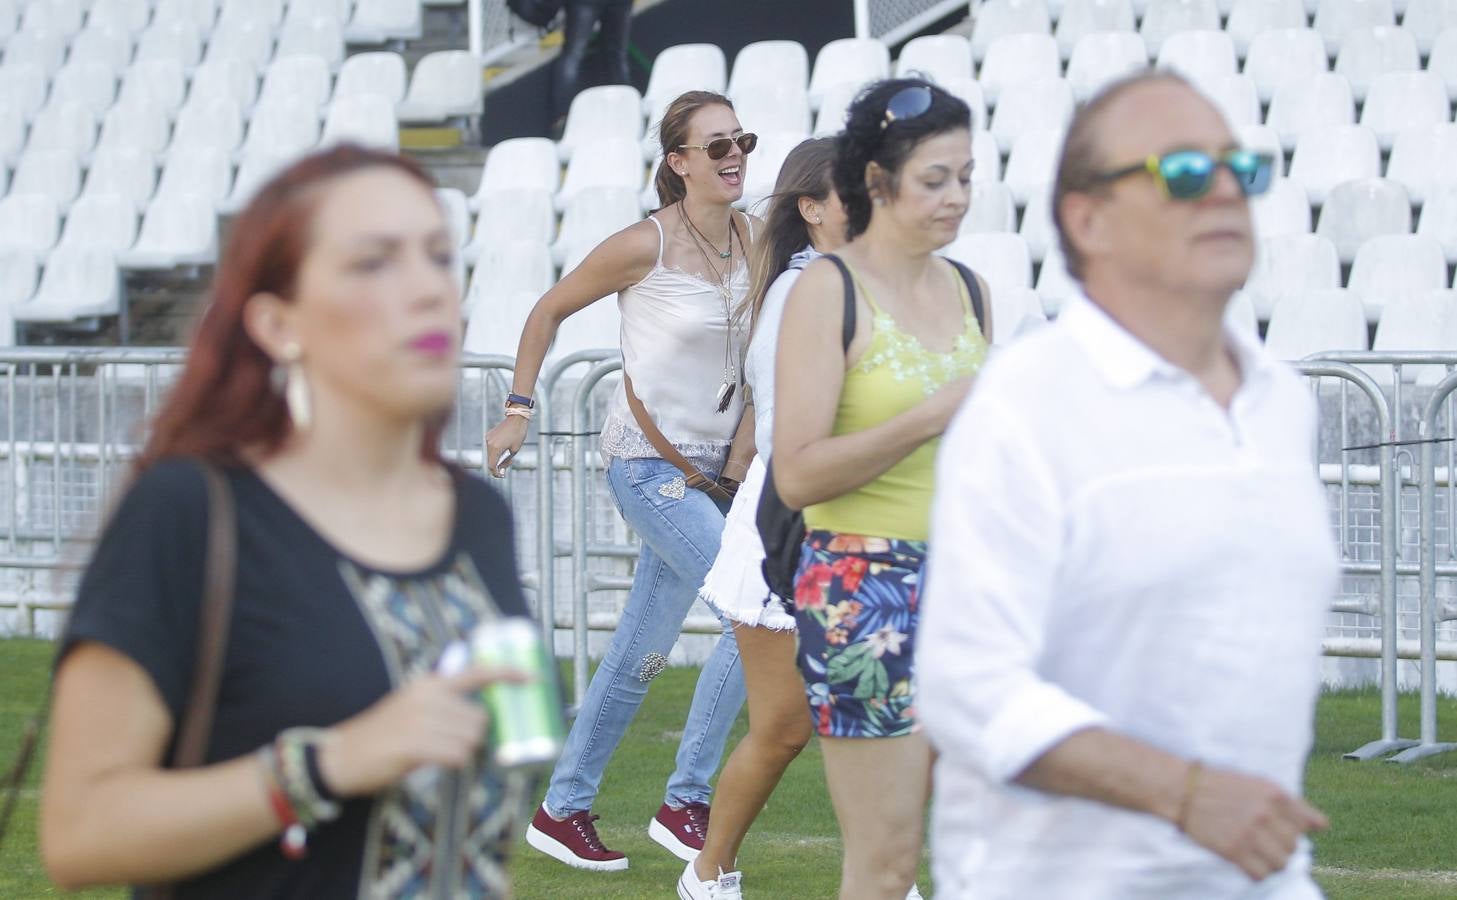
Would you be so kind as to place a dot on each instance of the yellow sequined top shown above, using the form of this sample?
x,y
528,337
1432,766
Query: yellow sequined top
x,y
895,373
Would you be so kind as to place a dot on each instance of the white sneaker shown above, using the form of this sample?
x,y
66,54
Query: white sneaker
x,y
915,894
725,887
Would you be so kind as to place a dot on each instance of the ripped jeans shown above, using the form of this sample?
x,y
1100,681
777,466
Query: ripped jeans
x,y
680,530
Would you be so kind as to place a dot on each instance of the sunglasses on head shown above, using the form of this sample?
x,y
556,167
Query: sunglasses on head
x,y
906,103
1189,174
718,149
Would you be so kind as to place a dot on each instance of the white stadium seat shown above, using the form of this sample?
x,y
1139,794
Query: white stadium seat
x,y
593,215
136,123
159,81
940,57
969,91
500,329
1031,106
447,84
377,72
57,16
78,283
1015,312
1284,56
318,36
1313,321
833,108
1102,58
608,112
1335,19
122,170
1167,17
1081,18
104,221
1367,53
55,173
131,15
210,122
1439,218
1240,314
338,10
1419,321
248,40
253,172
1037,227
304,78
179,230
63,126
367,119
1032,164
19,272
992,209
1357,211
9,18
682,68
286,126
519,163
173,39
24,86
1283,209
1236,99
44,49
507,267
999,18
30,221
199,13
1426,19
378,21
1017,59
12,133
770,62
522,214
613,161
847,59
1404,101
593,328
1249,18
1200,56
763,167
1389,267
765,108
1310,104
1002,260
110,45
1289,263
1055,286
206,172
226,78
91,84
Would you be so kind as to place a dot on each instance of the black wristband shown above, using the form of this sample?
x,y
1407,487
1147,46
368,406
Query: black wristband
x,y
520,401
316,776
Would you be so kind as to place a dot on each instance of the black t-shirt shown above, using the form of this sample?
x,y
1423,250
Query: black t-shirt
x,y
315,638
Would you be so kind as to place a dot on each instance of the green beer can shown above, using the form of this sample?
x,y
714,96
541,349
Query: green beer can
x,y
526,728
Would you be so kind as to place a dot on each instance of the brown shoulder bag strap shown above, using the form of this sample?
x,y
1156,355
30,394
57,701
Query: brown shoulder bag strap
x,y
692,476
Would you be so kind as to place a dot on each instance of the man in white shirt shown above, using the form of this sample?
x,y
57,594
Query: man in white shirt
x,y
1131,558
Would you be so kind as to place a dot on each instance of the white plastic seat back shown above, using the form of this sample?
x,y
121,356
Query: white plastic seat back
x,y
446,84
91,84
766,108
1017,59
1426,19
457,214
968,91
1439,218
522,214
1099,59
1404,101
1200,56
1357,211
1284,56
999,18
320,36
1327,157
137,123
67,125
764,165
202,14
12,134
1032,164
202,171
505,268
158,81
939,57
367,119
1248,18
59,16
30,221
497,328
209,122
1315,321
1370,52
55,173
1317,102
226,78
833,109
289,125
602,113
253,172
131,15
175,39
19,274
1031,106
1080,18
847,59
1001,259
770,62
372,73
44,49
1037,227
179,229
613,161
1055,285
304,78
127,171
1236,99
1168,17
78,283
681,68
1389,267
1417,322
519,163
1289,263
597,327
1240,314
109,46
1334,19
247,40
1281,210
24,86
107,221
377,21
992,209
1015,312
986,158
1421,160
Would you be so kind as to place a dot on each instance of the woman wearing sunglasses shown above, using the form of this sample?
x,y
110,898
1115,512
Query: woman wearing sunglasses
x,y
855,435
673,463
804,220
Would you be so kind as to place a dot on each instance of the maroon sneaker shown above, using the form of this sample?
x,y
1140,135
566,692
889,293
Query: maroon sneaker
x,y
681,831
573,841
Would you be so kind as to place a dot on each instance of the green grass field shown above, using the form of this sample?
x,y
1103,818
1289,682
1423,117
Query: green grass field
x,y
1392,836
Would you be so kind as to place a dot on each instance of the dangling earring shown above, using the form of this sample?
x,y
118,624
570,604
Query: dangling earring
x,y
296,389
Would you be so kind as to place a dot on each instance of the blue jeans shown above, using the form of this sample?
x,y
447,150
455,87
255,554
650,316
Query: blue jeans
x,y
680,537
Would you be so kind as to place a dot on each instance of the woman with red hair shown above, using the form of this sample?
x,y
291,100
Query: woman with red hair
x,y
316,384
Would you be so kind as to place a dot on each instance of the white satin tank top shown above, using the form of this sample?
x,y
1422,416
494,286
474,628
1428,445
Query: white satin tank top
x,y
674,331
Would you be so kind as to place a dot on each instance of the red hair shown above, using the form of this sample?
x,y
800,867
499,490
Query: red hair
x,y
224,402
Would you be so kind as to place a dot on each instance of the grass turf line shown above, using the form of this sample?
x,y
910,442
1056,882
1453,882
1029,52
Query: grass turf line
x,y
1391,837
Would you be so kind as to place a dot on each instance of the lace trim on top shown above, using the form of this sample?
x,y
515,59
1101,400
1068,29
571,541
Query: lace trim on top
x,y
907,358
623,440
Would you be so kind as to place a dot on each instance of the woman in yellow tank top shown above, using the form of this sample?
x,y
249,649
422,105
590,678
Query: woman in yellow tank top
x,y
855,438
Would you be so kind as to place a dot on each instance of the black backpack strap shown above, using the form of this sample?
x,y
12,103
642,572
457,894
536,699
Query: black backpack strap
x,y
847,333
973,287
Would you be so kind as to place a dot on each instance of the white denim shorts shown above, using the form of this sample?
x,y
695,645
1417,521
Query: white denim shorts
x,y
735,584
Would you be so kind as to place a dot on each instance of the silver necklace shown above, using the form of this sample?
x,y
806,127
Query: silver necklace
x,y
730,369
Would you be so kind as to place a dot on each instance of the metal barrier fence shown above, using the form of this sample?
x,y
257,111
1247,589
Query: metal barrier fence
x,y
492,31
71,421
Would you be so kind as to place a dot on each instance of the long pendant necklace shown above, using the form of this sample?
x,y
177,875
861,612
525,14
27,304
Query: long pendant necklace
x,y
730,369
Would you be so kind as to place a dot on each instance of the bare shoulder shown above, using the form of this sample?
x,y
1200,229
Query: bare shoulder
x,y
637,243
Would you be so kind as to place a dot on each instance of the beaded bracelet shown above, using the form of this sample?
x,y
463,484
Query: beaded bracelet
x,y
293,842
520,412
300,781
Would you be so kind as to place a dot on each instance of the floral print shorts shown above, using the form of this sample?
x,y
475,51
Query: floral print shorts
x,y
855,604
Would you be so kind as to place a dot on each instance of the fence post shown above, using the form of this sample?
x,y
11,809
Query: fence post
x,y
580,585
